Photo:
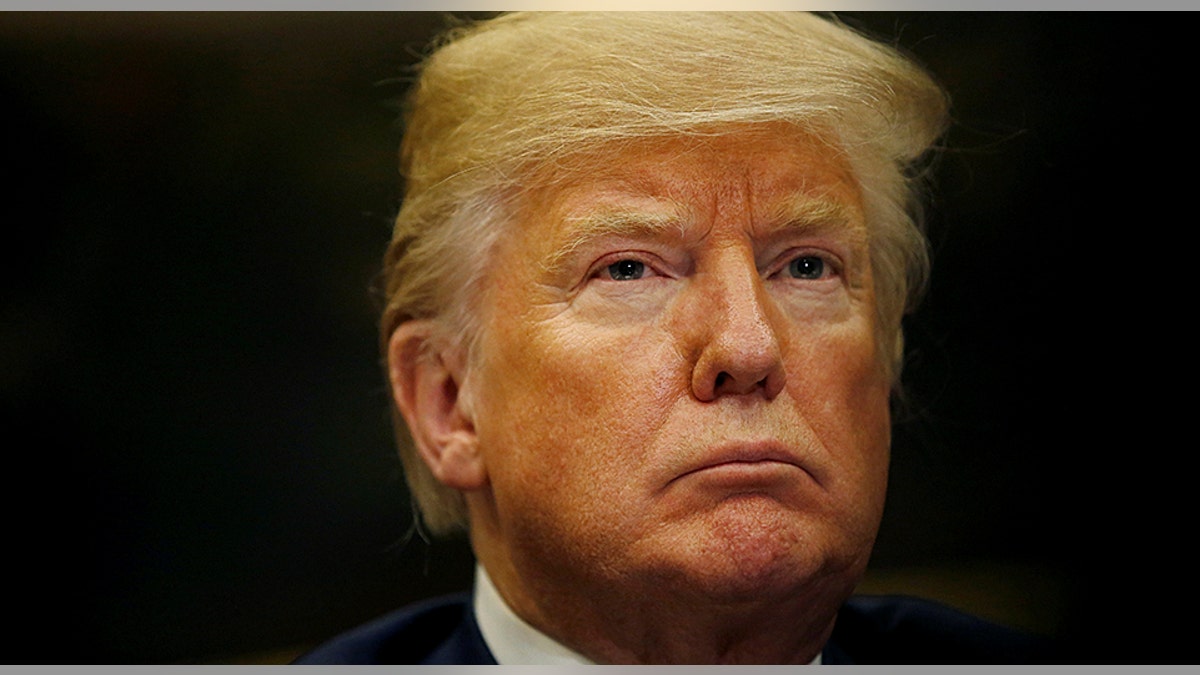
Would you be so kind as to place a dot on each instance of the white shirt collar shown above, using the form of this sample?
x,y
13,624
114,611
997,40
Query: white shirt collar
x,y
514,642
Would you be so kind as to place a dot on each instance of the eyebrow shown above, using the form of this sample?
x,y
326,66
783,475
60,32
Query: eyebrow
x,y
806,213
801,213
624,223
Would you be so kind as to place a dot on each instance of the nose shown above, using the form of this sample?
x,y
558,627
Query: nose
x,y
739,351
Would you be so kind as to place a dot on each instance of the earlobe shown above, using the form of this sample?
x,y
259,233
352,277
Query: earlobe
x,y
426,383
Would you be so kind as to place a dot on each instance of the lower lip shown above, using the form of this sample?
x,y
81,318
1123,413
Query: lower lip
x,y
740,474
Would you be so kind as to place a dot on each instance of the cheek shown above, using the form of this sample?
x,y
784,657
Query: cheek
x,y
574,410
572,423
838,379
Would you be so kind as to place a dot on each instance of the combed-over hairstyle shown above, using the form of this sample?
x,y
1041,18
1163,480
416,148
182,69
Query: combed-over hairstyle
x,y
524,91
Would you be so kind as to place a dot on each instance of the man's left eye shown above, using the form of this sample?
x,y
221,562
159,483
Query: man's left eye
x,y
626,270
807,267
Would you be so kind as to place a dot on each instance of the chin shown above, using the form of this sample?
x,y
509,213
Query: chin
x,y
743,552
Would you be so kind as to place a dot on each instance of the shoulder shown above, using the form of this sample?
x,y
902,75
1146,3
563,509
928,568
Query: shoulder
x,y
442,630
905,630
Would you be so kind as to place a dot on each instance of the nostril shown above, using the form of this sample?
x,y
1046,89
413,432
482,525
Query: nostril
x,y
726,383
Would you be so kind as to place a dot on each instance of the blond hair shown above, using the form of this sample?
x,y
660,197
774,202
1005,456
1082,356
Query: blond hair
x,y
527,90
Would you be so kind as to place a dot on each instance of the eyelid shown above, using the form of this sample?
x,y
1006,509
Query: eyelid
x,y
836,266
654,264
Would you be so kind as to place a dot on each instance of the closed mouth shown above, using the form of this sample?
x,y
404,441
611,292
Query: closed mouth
x,y
745,459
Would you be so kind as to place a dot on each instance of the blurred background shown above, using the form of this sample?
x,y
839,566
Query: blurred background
x,y
200,463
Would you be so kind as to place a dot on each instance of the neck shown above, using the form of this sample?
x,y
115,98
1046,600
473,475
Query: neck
x,y
656,624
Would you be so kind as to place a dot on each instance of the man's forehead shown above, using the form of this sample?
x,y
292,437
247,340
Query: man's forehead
x,y
767,160
636,214
666,186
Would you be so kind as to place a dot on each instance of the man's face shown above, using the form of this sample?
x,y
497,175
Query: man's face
x,y
678,387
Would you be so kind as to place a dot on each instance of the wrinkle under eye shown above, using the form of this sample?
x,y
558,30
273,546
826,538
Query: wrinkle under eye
x,y
807,267
626,270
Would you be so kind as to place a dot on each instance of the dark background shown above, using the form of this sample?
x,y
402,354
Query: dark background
x,y
200,465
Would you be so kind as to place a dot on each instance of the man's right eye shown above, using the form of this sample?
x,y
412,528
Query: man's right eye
x,y
626,270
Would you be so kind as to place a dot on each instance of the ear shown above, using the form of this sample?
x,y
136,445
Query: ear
x,y
425,385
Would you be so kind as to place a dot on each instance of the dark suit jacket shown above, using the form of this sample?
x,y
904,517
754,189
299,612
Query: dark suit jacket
x,y
869,630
